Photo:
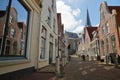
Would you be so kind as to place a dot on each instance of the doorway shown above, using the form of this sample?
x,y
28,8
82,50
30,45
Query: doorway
x,y
50,52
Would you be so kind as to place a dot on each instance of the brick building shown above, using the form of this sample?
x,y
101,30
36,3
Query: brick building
x,y
109,32
88,39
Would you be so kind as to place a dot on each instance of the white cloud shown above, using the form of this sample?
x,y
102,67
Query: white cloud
x,y
76,12
68,16
79,27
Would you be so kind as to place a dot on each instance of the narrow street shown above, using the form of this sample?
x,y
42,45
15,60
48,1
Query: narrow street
x,y
85,70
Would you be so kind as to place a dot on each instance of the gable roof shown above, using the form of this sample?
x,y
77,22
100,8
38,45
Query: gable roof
x,y
90,30
117,8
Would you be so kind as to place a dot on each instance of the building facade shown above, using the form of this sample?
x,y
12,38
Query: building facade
x,y
48,33
72,42
109,32
18,49
29,41
95,45
88,39
80,43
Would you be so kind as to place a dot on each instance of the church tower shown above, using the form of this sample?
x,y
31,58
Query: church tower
x,y
88,22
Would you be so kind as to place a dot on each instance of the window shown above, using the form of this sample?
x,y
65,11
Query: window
x,y
107,27
51,38
102,16
12,32
52,5
107,46
103,30
54,25
11,19
49,17
11,43
119,30
0,42
86,41
42,56
43,43
113,44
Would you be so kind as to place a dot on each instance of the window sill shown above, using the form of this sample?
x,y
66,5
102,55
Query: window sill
x,y
13,62
42,60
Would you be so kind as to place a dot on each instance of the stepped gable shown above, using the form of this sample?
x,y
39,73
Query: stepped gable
x,y
117,8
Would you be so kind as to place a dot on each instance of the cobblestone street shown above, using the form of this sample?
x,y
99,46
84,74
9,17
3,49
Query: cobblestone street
x,y
85,70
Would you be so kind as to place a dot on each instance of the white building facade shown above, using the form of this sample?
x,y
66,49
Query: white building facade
x,y
48,33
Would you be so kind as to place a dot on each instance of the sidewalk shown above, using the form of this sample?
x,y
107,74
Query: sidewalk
x,y
40,76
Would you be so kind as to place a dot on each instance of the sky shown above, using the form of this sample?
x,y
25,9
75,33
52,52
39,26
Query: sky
x,y
74,12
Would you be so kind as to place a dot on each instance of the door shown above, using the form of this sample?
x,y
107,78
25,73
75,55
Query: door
x,y
50,52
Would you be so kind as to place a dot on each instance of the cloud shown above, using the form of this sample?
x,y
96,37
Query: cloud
x,y
76,12
68,16
79,27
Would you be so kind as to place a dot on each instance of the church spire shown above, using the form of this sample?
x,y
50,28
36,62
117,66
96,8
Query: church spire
x,y
88,23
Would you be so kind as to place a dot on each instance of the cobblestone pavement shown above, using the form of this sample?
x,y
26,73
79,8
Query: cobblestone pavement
x,y
90,70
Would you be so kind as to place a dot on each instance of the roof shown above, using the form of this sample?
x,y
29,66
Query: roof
x,y
90,30
72,35
2,13
117,8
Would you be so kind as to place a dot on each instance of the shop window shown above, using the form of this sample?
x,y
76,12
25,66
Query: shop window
x,y
13,12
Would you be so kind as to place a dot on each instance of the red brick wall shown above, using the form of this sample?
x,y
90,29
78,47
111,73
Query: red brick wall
x,y
113,31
